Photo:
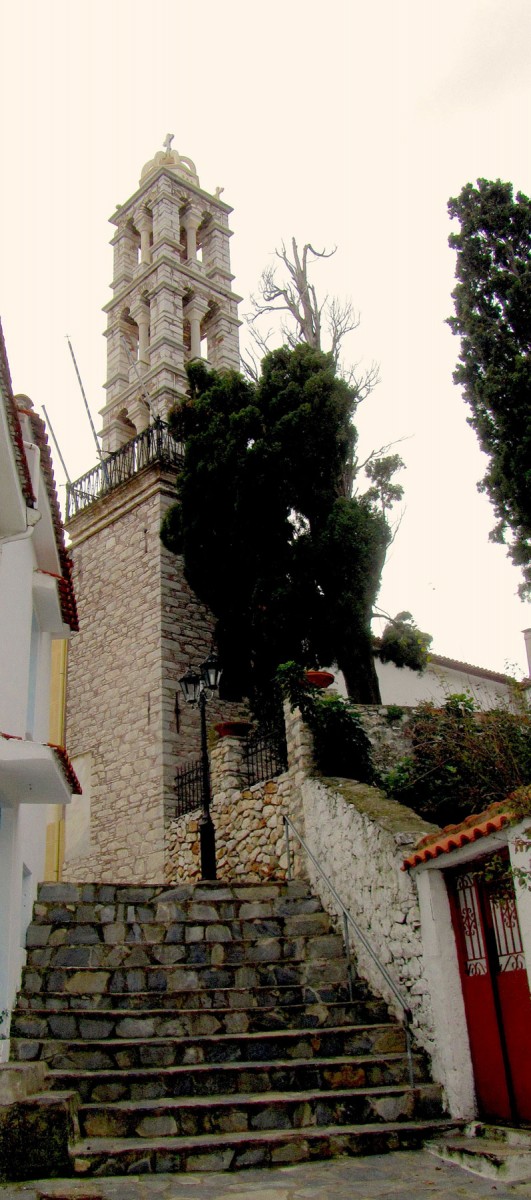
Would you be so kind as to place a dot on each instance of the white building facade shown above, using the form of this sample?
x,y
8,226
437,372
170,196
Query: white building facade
x,y
37,605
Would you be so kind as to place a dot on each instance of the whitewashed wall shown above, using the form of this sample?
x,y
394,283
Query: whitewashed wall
x,y
400,685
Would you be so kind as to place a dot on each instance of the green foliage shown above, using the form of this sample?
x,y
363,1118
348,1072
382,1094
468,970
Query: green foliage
x,y
384,492
461,760
286,560
341,746
394,713
493,319
405,645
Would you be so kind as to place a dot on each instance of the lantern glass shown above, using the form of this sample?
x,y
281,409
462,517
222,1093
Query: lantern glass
x,y
211,672
190,685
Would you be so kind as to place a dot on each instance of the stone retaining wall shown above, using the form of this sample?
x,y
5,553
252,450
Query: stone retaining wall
x,y
250,840
360,837
387,728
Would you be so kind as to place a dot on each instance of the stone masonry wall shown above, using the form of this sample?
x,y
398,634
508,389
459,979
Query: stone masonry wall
x,y
141,628
360,838
387,732
250,839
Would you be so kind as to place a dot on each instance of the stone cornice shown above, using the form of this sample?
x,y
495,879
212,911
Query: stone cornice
x,y
181,184
151,481
187,273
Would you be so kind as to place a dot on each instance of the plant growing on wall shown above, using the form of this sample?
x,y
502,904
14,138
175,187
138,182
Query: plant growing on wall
x,y
341,746
462,760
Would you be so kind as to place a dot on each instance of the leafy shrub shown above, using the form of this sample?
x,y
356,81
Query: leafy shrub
x,y
341,746
405,645
461,759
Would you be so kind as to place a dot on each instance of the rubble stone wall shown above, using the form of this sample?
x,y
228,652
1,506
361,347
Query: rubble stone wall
x,y
249,821
360,838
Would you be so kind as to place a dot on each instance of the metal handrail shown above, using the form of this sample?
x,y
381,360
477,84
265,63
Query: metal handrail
x,y
348,919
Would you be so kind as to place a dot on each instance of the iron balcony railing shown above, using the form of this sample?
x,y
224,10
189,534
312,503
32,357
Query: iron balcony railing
x,y
188,788
154,445
350,923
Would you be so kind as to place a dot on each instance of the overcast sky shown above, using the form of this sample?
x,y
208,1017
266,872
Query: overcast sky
x,y
344,123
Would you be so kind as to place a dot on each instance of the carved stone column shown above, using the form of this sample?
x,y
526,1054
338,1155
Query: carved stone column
x,y
195,311
140,312
144,224
191,223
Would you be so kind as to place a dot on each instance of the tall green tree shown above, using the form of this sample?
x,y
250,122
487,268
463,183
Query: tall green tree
x,y
493,319
288,561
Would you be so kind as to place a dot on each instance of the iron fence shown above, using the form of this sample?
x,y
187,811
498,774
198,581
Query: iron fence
x,y
154,445
188,788
265,753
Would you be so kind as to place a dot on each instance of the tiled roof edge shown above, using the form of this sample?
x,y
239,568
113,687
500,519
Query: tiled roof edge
x,y
15,428
66,587
455,837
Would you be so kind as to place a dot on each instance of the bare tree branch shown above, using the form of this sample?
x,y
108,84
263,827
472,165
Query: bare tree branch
x,y
296,296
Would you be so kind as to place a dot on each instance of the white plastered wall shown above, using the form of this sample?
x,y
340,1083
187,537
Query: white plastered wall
x,y
451,1062
22,827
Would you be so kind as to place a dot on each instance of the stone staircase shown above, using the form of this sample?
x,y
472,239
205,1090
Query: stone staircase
x,y
209,1027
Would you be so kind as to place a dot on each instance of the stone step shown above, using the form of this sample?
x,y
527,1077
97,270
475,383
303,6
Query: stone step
x,y
228,998
181,976
206,1079
267,1045
211,1026
76,903
224,1152
117,1023
278,1110
51,926
495,1152
90,951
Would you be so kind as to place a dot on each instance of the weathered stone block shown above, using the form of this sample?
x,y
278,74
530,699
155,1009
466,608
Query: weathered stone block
x,y
35,1134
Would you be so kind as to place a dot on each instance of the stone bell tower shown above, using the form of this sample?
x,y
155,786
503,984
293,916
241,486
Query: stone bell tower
x,y
141,627
172,298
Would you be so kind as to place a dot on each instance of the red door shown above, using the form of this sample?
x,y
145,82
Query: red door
x,y
495,990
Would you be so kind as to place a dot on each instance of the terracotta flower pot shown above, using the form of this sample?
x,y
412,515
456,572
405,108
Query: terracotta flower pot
x,y
320,679
232,728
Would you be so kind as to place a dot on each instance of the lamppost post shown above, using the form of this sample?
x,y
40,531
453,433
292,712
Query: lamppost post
x,y
207,836
195,688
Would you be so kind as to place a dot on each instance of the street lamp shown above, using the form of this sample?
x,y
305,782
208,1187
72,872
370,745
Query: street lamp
x,y
195,687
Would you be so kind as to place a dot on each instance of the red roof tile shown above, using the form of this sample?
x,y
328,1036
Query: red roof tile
x,y
66,587
453,837
13,421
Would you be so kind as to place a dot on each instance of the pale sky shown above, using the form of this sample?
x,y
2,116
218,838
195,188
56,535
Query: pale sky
x,y
344,123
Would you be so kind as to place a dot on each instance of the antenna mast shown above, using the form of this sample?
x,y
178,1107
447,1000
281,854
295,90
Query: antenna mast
x,y
94,434
56,444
